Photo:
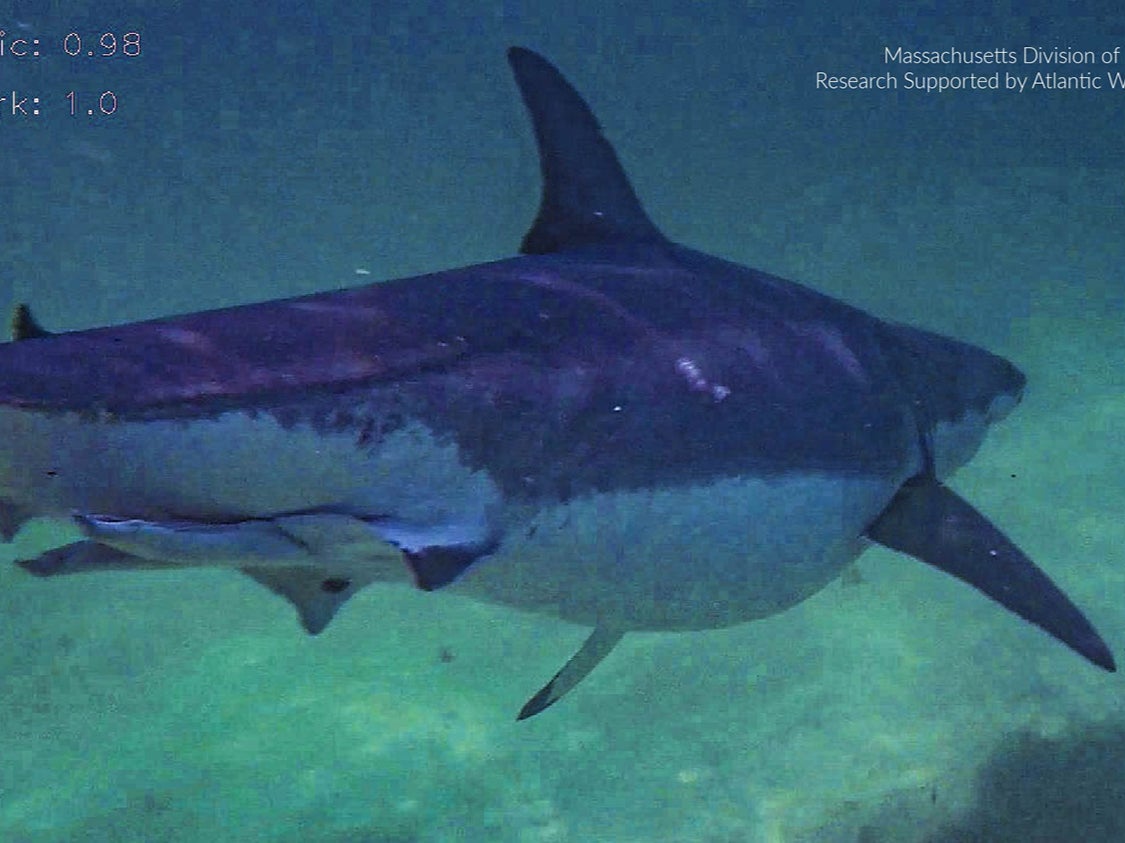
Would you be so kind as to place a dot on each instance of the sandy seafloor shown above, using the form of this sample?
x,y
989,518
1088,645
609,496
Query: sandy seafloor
x,y
900,706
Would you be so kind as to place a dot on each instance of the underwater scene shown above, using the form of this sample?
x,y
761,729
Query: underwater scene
x,y
608,542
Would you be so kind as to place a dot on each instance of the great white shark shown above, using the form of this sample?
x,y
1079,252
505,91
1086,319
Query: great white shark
x,y
610,428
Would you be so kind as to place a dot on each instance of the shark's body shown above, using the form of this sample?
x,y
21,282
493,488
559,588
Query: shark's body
x,y
612,429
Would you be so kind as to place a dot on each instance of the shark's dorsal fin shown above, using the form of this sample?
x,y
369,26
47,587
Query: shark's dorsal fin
x,y
587,198
595,648
24,326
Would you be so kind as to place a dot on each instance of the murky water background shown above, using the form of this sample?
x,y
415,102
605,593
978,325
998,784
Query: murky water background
x,y
259,153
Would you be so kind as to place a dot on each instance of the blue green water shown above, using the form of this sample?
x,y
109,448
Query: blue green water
x,y
259,153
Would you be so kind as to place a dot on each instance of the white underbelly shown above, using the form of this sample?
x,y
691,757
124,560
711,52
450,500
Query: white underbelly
x,y
690,557
238,465
716,553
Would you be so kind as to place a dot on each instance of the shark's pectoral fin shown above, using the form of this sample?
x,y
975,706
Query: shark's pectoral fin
x,y
316,597
930,522
589,655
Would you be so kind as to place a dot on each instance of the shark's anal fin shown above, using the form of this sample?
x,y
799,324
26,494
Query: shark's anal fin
x,y
86,557
589,655
930,522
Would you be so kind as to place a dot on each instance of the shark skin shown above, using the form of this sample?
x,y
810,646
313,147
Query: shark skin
x,y
610,428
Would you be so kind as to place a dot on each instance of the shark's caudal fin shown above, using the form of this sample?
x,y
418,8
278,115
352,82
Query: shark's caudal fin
x,y
587,199
930,522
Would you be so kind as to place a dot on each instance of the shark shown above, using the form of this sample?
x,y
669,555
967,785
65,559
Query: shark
x,y
609,428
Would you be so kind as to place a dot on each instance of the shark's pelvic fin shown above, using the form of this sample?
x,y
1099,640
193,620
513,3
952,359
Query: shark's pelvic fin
x,y
195,543
316,597
930,522
587,198
436,567
438,554
316,560
24,326
589,655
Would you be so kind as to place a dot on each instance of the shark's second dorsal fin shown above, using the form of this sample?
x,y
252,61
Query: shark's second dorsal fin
x,y
587,199
24,326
